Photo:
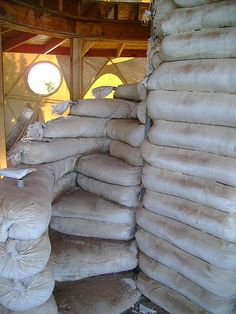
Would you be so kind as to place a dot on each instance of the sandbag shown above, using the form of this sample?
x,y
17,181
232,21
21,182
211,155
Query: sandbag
x,y
174,280
89,206
124,195
193,3
218,281
21,259
156,60
91,228
75,258
107,294
195,189
207,75
67,182
109,169
62,167
49,307
208,16
132,155
25,294
195,163
25,213
208,138
200,244
73,126
196,107
204,44
56,149
162,8
105,108
128,131
168,299
135,92
208,219
142,111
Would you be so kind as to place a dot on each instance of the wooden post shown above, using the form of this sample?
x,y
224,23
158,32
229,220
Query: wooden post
x,y
3,159
76,69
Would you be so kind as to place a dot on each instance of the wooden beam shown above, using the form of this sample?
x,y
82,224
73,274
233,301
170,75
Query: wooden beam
x,y
76,69
110,29
120,49
112,53
3,158
60,5
16,41
37,20
52,44
40,49
86,46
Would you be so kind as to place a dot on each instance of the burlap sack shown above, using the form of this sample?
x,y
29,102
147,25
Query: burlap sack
x,y
207,16
174,280
196,107
207,219
109,169
204,44
168,299
218,281
132,155
75,258
195,189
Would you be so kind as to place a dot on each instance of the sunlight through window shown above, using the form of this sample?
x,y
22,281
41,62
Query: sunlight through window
x,y
44,78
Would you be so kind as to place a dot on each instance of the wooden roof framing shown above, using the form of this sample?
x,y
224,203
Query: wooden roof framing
x,y
107,28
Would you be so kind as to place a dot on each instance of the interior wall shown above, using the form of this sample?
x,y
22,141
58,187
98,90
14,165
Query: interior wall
x,y
18,94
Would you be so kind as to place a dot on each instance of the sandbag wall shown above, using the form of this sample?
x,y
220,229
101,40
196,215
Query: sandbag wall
x,y
187,224
26,276
100,212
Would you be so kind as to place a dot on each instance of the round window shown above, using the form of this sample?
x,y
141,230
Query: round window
x,y
44,78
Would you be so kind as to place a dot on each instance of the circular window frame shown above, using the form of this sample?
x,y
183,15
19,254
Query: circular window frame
x,y
43,62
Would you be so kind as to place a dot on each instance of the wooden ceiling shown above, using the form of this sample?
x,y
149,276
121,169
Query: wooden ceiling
x,y
107,28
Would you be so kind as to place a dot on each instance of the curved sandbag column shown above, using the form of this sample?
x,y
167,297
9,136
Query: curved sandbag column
x,y
187,235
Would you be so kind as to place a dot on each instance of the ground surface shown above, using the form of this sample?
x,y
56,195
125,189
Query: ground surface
x,y
145,301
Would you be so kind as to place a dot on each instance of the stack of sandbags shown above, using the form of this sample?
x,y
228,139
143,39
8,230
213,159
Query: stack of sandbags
x,y
187,236
26,277
94,225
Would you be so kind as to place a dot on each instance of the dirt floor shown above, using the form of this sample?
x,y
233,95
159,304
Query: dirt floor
x,y
146,302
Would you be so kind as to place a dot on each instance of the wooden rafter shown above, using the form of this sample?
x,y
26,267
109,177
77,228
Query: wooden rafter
x,y
35,20
120,49
52,45
16,41
86,46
